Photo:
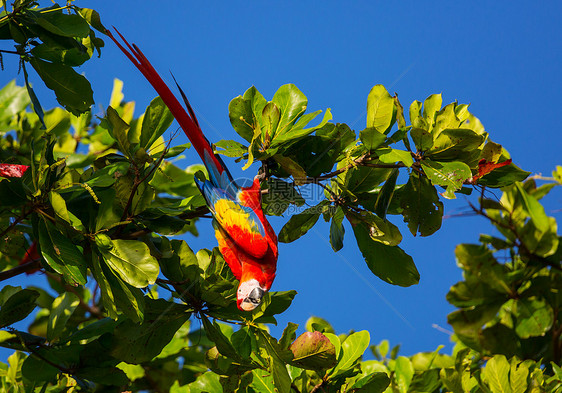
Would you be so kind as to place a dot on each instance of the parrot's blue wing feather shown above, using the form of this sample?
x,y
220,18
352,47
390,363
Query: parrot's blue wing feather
x,y
214,196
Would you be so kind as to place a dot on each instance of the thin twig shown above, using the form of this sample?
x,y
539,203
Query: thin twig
x,y
13,225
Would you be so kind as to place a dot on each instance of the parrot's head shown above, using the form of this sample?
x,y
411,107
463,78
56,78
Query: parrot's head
x,y
249,295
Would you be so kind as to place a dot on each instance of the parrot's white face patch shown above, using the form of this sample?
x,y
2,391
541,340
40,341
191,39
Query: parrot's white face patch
x,y
250,294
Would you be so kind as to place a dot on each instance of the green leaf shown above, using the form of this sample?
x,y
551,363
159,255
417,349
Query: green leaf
x,y
270,115
73,91
157,119
243,112
317,324
386,193
299,224
380,230
415,115
374,383
215,334
93,18
380,109
119,130
278,357
16,304
458,144
130,259
297,131
425,381
291,167
37,108
137,343
422,209
518,376
13,100
288,336
178,261
534,209
281,195
242,342
66,25
423,140
72,57
372,138
352,349
38,370
452,380
399,113
431,106
263,381
313,351
61,254
390,156
495,374
94,329
534,317
365,179
61,310
467,323
132,371
389,263
291,103
446,118
278,303
404,372
337,230
447,174
205,383
231,148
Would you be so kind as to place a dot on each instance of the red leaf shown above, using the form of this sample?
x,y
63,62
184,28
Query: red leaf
x,y
485,167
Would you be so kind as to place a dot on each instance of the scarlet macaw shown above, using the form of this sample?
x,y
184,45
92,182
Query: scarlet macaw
x,y
15,170
246,239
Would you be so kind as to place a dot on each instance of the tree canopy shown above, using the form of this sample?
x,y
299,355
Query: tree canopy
x,y
103,202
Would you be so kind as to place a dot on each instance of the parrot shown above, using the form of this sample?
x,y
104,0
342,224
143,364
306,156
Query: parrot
x,y
12,170
16,170
245,238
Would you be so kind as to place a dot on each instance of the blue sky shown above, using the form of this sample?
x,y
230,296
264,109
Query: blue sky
x,y
504,58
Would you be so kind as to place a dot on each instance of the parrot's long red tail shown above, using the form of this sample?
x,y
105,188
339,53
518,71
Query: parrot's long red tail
x,y
186,119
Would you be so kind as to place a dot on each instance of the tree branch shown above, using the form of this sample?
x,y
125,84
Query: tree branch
x,y
26,267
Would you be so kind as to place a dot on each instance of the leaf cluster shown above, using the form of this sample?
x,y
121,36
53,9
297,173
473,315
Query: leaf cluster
x,y
130,307
54,40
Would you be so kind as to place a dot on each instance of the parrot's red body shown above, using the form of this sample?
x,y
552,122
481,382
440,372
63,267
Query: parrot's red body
x,y
246,239
12,170
32,254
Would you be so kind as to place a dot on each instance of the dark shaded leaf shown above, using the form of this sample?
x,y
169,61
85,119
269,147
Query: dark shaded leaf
x,y
73,91
16,304
422,209
389,263
337,230
157,119
386,193
61,254
137,343
299,224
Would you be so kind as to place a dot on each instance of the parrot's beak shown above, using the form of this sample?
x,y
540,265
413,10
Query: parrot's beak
x,y
253,300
